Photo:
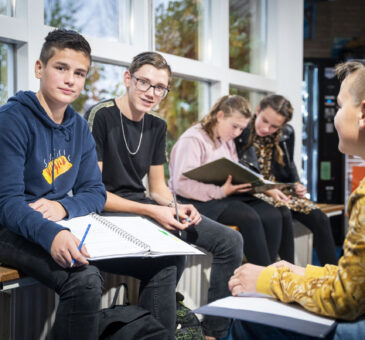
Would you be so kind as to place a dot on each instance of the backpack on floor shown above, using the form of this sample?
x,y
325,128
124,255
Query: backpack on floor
x,y
188,326
128,322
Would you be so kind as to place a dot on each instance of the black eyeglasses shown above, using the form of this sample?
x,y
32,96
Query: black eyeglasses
x,y
144,85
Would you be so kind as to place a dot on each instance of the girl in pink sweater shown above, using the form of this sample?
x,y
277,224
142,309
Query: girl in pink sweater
x,y
260,224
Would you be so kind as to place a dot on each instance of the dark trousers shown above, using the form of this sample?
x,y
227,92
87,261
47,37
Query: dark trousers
x,y
80,288
226,246
323,240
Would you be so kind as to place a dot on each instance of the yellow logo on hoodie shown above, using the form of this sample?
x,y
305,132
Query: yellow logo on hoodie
x,y
61,165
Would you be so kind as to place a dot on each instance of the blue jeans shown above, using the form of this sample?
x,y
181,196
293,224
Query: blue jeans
x,y
80,288
247,330
226,246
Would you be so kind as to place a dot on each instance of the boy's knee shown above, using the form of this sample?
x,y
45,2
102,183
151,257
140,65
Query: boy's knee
x,y
232,241
85,280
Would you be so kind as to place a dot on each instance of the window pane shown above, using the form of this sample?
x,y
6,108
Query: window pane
x,y
104,81
179,27
6,8
6,72
254,97
106,19
247,35
181,108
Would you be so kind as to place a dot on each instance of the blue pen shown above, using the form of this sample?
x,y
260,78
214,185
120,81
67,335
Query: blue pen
x,y
82,242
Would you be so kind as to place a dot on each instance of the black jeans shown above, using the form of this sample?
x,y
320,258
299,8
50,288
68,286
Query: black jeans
x,y
323,241
260,225
80,288
226,246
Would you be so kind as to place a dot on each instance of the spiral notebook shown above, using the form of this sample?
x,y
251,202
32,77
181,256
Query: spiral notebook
x,y
126,236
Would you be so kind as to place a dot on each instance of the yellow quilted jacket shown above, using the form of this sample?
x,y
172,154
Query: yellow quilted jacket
x,y
335,291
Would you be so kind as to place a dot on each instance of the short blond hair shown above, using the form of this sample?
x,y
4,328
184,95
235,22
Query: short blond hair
x,y
357,86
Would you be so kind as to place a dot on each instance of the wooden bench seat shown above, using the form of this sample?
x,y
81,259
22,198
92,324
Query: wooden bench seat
x,y
11,278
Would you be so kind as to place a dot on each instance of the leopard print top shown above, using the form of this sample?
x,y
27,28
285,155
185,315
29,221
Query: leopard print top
x,y
264,147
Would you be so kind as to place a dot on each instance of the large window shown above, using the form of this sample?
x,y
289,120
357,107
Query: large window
x,y
104,81
181,107
6,72
254,97
180,28
106,19
6,7
247,35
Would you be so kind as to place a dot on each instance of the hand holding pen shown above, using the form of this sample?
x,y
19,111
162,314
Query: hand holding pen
x,y
81,243
192,215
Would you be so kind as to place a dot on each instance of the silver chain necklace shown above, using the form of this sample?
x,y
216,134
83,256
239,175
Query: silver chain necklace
x,y
125,140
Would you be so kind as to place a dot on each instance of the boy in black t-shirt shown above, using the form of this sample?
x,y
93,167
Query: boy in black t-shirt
x,y
130,144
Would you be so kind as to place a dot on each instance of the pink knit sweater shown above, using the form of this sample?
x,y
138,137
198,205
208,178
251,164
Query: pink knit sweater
x,y
195,148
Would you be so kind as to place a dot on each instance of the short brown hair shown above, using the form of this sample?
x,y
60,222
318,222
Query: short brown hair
x,y
149,58
357,86
227,104
61,39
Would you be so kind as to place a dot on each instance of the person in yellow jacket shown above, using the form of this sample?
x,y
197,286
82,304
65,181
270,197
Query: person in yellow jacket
x,y
334,291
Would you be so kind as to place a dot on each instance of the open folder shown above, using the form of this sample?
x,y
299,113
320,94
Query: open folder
x,y
266,310
216,172
126,236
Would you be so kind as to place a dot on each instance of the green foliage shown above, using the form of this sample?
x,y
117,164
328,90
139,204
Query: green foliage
x,y
177,28
177,32
239,42
3,73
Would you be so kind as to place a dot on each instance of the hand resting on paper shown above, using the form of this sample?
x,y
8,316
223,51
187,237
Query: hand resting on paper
x,y
295,269
51,210
64,249
230,189
244,278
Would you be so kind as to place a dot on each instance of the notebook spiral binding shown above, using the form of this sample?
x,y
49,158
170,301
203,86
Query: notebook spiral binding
x,y
125,235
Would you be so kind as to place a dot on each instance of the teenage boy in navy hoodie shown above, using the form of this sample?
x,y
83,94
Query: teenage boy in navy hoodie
x,y
47,151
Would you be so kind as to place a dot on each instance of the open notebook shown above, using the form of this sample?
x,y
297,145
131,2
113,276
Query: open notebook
x,y
126,236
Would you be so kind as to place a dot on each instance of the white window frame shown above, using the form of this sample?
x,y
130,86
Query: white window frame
x,y
26,30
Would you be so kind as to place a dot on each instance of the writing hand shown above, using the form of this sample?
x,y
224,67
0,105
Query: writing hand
x,y
64,249
244,279
166,216
230,189
188,213
51,210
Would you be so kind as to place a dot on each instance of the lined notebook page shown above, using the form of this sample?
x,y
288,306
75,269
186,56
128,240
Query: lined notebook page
x,y
101,242
160,241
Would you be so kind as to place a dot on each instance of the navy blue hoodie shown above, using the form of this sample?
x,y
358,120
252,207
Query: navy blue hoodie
x,y
39,158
